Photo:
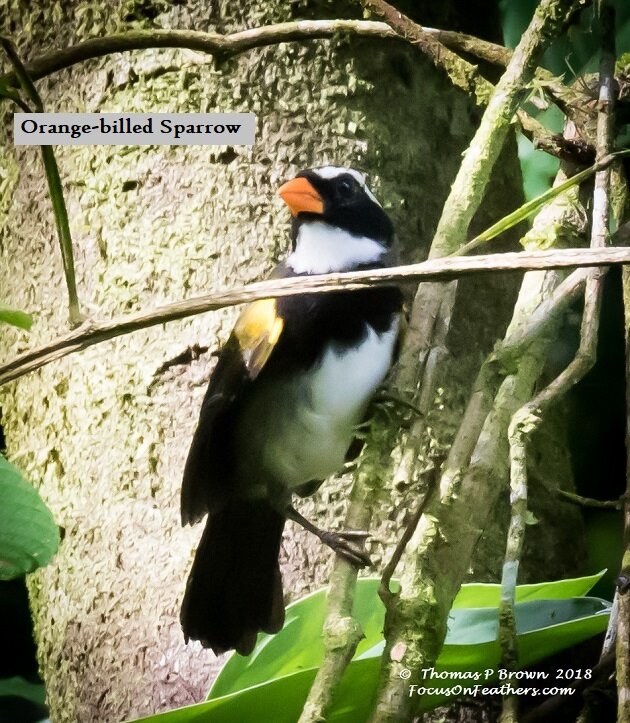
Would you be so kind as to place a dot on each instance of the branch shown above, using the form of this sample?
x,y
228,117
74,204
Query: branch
x,y
462,74
435,270
215,44
341,632
223,47
589,501
529,417
226,46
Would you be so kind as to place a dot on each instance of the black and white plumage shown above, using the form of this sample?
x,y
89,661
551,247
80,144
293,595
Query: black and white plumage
x,y
291,385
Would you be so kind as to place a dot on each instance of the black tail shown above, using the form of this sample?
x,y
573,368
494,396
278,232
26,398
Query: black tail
x,y
234,589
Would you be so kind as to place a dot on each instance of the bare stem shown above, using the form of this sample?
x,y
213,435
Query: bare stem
x,y
589,501
96,332
529,417
418,626
54,185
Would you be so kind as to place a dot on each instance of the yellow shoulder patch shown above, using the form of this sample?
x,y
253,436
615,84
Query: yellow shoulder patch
x,y
257,330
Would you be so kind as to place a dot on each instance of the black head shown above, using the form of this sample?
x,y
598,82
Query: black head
x,y
339,197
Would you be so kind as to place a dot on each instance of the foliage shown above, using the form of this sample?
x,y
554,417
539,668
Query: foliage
x,y
18,686
29,536
272,683
16,318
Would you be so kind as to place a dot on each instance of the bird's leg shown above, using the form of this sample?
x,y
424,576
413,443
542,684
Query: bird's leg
x,y
340,542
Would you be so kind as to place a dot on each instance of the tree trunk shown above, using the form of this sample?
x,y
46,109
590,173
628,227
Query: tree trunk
x,y
105,432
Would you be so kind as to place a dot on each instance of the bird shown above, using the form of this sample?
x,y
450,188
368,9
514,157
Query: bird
x,y
290,387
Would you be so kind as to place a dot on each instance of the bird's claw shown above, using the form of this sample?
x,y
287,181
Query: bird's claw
x,y
339,543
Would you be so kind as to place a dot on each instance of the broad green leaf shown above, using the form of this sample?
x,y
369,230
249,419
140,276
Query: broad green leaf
x,y
29,536
21,688
272,684
299,644
481,595
16,318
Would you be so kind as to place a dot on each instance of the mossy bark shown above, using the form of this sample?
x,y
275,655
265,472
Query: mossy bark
x,y
104,433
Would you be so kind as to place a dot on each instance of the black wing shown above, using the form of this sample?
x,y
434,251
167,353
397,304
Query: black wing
x,y
206,482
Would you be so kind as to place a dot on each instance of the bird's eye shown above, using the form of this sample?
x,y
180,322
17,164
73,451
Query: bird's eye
x,y
345,188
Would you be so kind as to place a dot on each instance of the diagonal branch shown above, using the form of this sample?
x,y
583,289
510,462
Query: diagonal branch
x,y
529,417
437,269
462,74
223,47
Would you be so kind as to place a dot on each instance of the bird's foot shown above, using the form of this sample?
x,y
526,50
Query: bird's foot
x,y
340,543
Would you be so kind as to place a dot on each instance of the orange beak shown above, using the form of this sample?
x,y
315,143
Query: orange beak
x,y
299,195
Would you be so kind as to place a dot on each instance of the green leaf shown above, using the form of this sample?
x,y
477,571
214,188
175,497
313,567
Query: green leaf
x,y
272,683
21,688
29,536
16,318
481,595
530,207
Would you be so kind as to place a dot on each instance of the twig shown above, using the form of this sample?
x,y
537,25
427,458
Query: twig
x,y
385,592
462,74
94,332
529,417
341,632
555,144
418,626
507,353
227,46
54,186
397,399
212,44
589,501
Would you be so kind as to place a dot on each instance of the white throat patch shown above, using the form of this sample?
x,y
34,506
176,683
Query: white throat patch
x,y
321,248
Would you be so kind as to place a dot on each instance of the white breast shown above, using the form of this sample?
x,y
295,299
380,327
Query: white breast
x,y
309,432
346,379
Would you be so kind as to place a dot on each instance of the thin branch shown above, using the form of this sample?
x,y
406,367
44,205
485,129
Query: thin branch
x,y
434,270
529,417
462,74
506,353
575,150
385,592
589,501
342,632
54,185
227,46
234,44
418,627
